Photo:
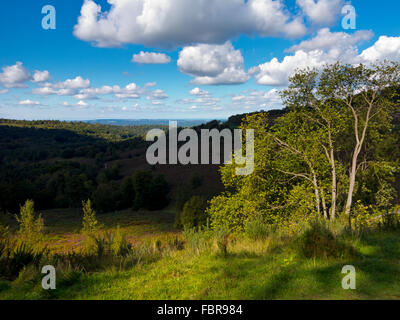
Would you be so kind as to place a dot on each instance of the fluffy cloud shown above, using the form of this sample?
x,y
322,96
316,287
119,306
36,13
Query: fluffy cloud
x,y
275,73
80,89
41,76
150,84
329,41
253,99
325,47
321,12
82,104
198,92
151,58
203,99
385,48
14,76
29,103
131,91
171,23
76,83
65,88
157,94
213,64
93,93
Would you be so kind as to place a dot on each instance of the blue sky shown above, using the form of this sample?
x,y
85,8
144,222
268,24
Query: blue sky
x,y
176,58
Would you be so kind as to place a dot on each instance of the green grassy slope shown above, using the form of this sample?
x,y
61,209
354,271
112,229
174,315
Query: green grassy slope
x,y
251,270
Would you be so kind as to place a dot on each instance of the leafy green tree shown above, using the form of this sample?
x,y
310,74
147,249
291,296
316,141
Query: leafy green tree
x,y
351,105
150,191
107,197
193,213
31,228
127,193
335,141
90,224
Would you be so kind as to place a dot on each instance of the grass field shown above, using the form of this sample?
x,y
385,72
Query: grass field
x,y
63,226
262,269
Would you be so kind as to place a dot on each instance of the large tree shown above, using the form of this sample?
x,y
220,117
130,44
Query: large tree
x,y
334,143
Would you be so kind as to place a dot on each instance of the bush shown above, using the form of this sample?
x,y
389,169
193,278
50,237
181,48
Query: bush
x,y
222,240
256,229
98,244
14,260
4,231
120,245
30,227
198,239
228,210
193,213
89,221
318,240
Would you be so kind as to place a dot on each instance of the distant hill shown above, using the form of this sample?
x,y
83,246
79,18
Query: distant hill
x,y
152,122
60,163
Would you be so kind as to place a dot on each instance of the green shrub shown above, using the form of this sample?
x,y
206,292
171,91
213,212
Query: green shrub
x,y
256,229
30,228
145,253
391,220
14,260
100,244
68,275
228,210
193,213
198,239
89,221
222,240
120,245
4,231
175,244
28,273
319,241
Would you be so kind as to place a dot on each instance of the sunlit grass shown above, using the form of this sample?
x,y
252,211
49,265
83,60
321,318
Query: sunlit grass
x,y
263,269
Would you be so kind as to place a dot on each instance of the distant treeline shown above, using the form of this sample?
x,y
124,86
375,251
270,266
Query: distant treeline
x,y
108,132
58,164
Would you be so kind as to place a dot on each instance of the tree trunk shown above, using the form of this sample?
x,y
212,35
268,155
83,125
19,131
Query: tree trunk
x,y
352,181
357,151
316,191
324,205
334,183
334,190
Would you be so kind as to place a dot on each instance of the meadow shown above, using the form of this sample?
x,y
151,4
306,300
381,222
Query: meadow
x,y
164,263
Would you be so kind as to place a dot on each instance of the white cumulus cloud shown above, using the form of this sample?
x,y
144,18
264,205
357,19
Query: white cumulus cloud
x,y
253,99
14,76
325,47
198,92
385,48
29,103
321,12
213,64
41,76
171,23
151,58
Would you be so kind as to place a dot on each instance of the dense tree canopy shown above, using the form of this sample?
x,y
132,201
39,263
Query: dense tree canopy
x,y
336,144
